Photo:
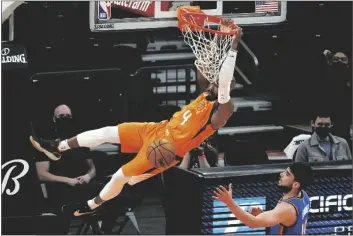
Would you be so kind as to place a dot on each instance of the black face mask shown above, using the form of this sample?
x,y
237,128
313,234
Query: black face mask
x,y
64,127
340,69
322,132
339,65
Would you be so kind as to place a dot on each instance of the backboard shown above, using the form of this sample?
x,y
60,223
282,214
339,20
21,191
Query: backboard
x,y
147,15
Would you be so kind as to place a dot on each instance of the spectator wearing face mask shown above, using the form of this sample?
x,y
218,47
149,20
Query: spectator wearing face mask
x,y
67,171
322,145
70,178
337,85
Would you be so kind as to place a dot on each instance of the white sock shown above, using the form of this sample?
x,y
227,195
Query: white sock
x,y
63,145
92,204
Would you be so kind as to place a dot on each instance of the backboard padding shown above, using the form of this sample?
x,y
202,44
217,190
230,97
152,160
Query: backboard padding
x,y
138,15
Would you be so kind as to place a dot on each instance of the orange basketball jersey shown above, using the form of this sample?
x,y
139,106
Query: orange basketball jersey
x,y
192,125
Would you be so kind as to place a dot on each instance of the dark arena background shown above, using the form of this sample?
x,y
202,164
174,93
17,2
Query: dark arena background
x,y
121,61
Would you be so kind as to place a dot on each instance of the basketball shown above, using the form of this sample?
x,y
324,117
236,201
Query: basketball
x,y
161,153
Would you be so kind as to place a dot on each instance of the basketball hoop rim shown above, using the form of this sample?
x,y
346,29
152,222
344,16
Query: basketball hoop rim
x,y
214,19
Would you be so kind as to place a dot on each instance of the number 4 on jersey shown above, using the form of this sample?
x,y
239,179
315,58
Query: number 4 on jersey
x,y
187,114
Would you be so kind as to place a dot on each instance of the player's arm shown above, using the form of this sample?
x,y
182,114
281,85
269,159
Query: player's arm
x,y
226,83
202,82
282,214
222,114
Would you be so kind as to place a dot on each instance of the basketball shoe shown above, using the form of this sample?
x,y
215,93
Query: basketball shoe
x,y
48,147
78,209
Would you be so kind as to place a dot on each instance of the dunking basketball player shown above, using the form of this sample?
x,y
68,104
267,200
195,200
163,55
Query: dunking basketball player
x,y
186,130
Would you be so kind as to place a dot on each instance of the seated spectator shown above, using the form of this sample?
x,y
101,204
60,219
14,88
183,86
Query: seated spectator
x,y
68,180
204,156
322,145
336,80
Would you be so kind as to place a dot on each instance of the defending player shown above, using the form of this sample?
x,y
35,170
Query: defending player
x,y
186,130
291,213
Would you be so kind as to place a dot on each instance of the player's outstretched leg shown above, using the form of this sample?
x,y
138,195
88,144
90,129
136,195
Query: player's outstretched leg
x,y
152,159
92,138
110,190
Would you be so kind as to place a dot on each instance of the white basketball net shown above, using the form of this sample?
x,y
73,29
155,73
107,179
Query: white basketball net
x,y
210,49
